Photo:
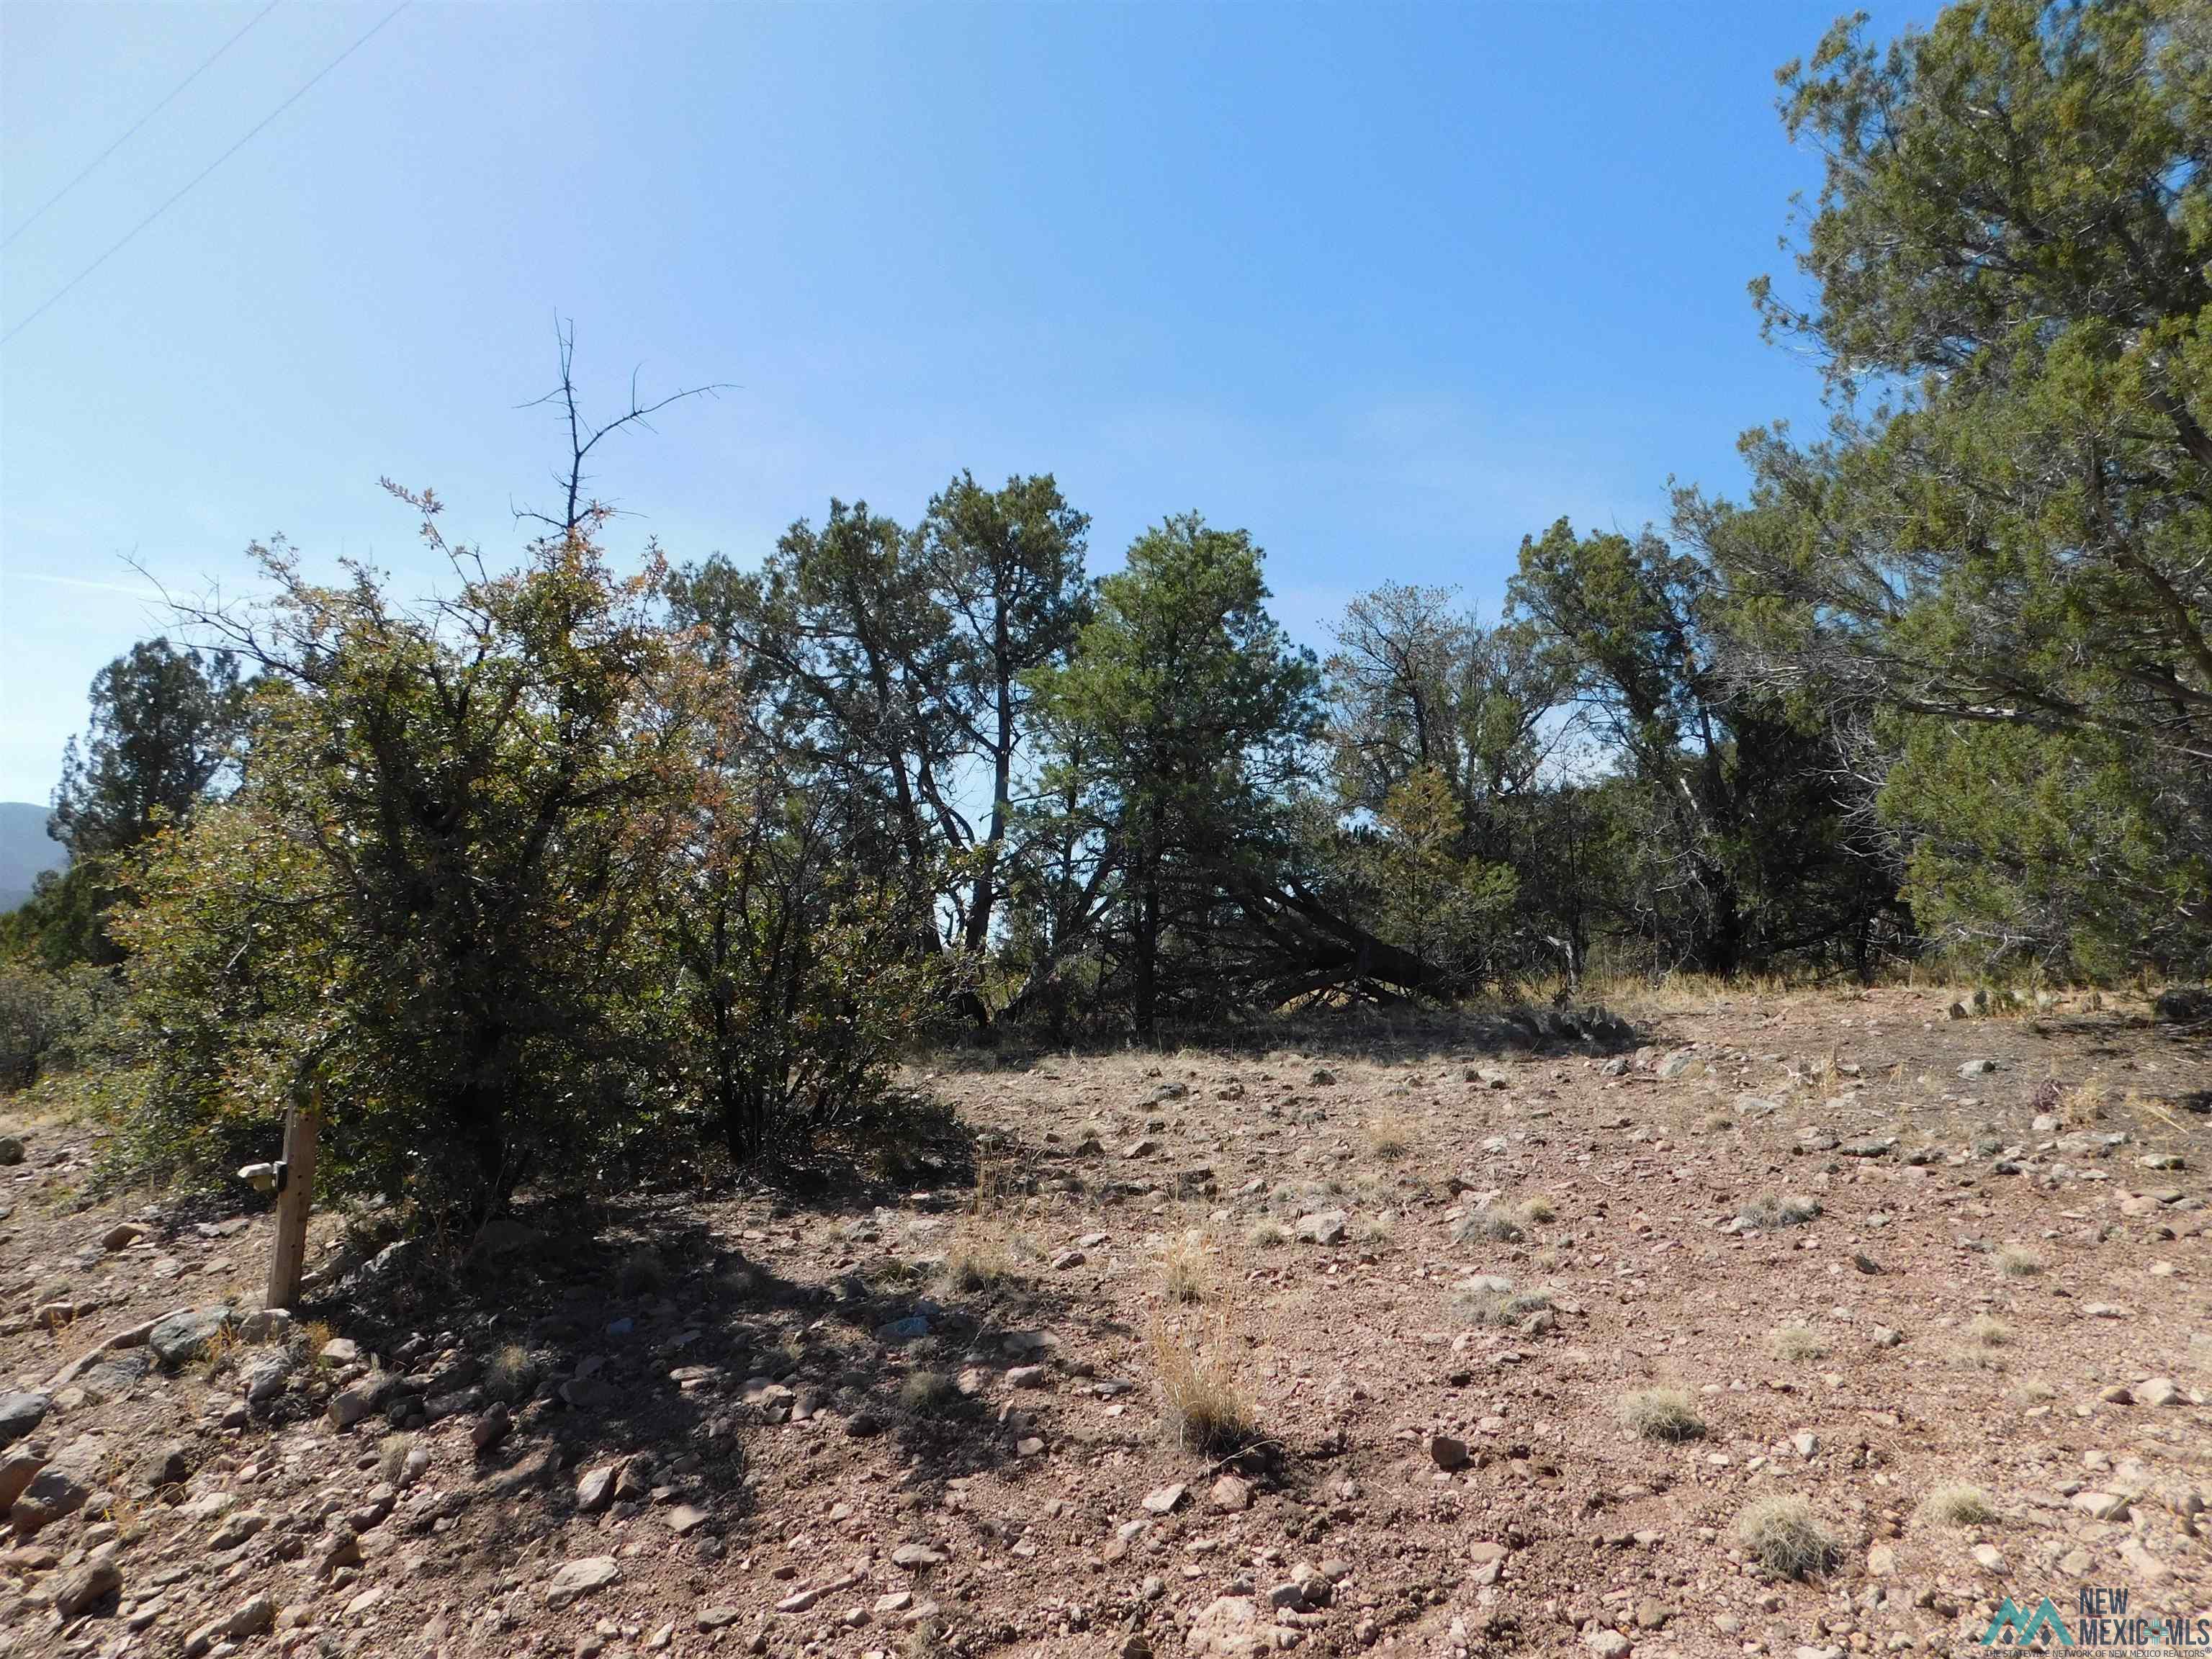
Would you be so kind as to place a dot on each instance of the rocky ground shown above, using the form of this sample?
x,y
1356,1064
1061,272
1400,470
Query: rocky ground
x,y
1522,1322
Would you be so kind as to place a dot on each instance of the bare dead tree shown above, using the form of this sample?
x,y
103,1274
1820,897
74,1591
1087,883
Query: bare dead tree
x,y
584,436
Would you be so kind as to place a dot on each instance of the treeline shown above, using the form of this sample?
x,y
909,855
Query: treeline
x,y
578,855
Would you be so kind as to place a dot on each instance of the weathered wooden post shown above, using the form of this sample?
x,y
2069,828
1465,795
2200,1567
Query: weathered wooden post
x,y
295,1191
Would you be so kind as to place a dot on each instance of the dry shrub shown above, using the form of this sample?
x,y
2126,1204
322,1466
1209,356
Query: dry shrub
x,y
1202,1399
1797,1344
2016,1262
391,1457
1266,1234
927,1393
1661,1415
1486,1299
512,1374
977,1261
1781,1534
1186,1273
1958,1506
1487,1224
1771,1211
1389,1135
642,1272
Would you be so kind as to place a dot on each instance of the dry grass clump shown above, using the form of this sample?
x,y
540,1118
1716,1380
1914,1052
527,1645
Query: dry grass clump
x,y
1958,1506
640,1273
977,1261
1795,1344
1780,1533
1486,1299
222,1350
391,1457
1771,1211
926,1393
1503,1223
314,1336
1488,1224
1267,1234
512,1374
2017,1261
1184,1269
1667,1414
1988,1331
1389,1135
1373,1228
1202,1399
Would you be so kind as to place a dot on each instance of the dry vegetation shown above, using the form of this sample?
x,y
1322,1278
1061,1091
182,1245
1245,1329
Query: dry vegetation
x,y
1201,1335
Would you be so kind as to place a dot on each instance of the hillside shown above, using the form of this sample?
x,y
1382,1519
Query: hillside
x,y
25,850
1814,1324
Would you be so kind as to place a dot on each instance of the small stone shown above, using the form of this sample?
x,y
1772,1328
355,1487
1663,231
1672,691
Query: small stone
x,y
1990,1558
2159,1391
1447,1453
254,1615
595,1489
1229,1493
178,1338
684,1520
579,1578
1321,1227
1162,1500
488,1430
1606,1643
1977,1068
20,1411
1229,1627
916,1557
715,1618
2102,1506
341,1350
89,1584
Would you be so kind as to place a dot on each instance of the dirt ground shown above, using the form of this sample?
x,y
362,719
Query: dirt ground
x,y
1963,1314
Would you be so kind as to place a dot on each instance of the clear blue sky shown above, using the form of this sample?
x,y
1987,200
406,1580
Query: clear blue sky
x,y
1390,285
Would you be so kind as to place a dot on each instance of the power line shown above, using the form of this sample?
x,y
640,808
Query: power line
x,y
88,168
128,235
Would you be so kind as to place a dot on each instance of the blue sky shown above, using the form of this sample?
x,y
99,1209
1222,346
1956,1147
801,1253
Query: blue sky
x,y
1389,285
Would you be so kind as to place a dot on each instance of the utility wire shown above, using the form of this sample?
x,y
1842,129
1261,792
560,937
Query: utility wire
x,y
128,235
85,171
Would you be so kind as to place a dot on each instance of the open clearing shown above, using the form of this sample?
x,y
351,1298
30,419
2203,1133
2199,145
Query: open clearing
x,y
1528,1335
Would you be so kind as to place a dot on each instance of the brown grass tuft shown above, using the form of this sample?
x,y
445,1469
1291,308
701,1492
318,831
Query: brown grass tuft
x,y
1202,1401
1781,1534
1667,1414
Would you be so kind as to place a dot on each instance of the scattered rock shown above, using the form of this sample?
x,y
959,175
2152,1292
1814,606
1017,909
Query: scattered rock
x,y
1162,1500
21,1412
1321,1227
89,1584
1447,1453
178,1339
1231,1627
581,1578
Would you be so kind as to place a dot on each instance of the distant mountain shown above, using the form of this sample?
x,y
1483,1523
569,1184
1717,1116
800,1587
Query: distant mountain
x,y
24,850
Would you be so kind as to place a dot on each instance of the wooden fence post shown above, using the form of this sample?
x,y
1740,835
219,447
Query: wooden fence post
x,y
295,1191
